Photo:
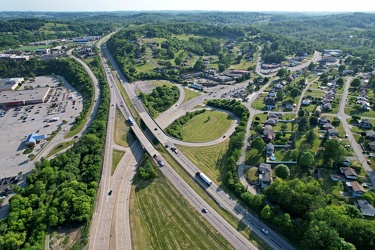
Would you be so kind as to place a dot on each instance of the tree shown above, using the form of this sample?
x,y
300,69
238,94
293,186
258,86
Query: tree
x,y
301,113
357,107
283,126
312,66
280,95
178,61
340,81
310,136
282,72
295,92
341,68
259,129
303,124
266,212
258,144
356,82
282,171
314,120
333,151
306,159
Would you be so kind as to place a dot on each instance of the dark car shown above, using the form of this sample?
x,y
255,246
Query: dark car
x,y
110,192
75,137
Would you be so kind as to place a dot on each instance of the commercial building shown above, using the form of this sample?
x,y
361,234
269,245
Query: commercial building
x,y
10,83
32,139
23,97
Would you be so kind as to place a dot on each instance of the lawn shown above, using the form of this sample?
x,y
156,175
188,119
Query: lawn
x,y
153,40
123,136
258,104
186,36
316,93
311,108
33,47
161,218
253,158
147,67
190,94
209,160
116,158
59,147
207,126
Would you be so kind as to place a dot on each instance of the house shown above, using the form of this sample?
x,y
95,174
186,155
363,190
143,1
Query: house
x,y
349,173
268,134
306,102
364,123
355,188
372,146
275,116
327,106
270,149
270,103
370,135
333,132
335,177
323,120
272,122
366,207
278,86
265,177
272,93
327,126
318,111
289,106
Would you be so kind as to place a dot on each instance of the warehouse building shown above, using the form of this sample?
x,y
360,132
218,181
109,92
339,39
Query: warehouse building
x,y
23,97
10,83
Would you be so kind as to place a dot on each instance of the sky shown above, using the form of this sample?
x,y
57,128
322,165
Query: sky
x,y
221,5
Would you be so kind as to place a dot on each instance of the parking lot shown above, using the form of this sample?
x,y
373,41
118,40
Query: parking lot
x,y
16,123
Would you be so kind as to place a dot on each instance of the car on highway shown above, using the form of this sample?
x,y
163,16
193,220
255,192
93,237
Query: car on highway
x,y
265,231
204,210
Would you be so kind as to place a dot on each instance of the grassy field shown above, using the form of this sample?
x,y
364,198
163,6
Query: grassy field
x,y
210,159
190,94
186,36
258,104
122,134
153,40
116,158
162,219
244,230
254,158
60,147
33,47
207,126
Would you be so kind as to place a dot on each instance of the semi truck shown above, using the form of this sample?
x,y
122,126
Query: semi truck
x,y
130,120
204,178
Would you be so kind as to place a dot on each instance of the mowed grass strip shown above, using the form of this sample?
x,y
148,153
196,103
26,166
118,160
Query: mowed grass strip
x,y
123,136
207,126
190,94
209,160
162,219
116,158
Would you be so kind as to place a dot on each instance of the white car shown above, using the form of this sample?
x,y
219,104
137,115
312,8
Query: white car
x,y
265,231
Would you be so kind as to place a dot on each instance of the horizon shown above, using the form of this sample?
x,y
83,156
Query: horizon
x,y
318,6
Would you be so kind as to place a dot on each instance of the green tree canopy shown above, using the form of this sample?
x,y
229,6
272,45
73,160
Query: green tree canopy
x,y
282,171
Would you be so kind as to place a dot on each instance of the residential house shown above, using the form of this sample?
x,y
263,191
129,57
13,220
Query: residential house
x,y
306,102
333,132
327,126
364,123
270,149
335,177
349,173
372,146
355,188
370,135
288,106
265,177
318,111
270,103
268,134
275,116
272,93
366,207
327,106
278,86
272,122
323,120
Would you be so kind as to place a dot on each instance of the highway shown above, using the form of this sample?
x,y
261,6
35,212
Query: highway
x,y
273,239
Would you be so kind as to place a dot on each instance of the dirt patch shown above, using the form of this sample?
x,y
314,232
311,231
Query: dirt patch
x,y
65,237
144,87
